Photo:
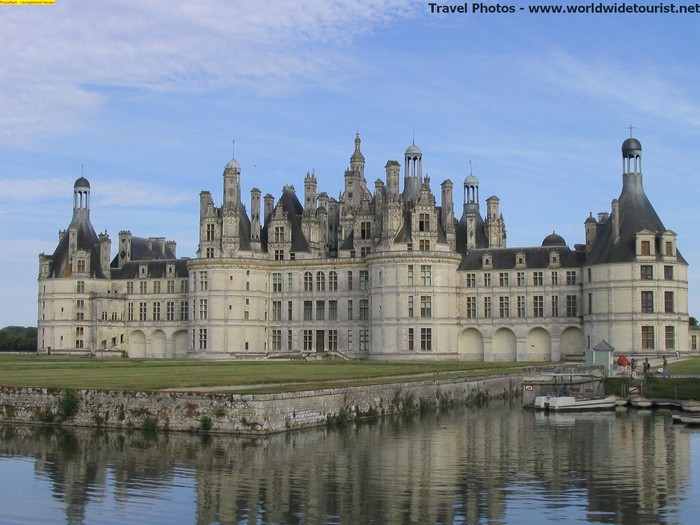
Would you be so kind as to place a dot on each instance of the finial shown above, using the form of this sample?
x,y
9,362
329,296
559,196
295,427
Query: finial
x,y
233,149
82,170
631,128
470,167
414,136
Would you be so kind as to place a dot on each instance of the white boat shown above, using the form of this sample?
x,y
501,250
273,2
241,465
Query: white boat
x,y
641,402
690,419
691,406
562,403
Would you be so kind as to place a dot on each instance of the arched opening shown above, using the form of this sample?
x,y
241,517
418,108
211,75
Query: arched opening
x,y
180,343
504,345
571,342
539,345
471,345
156,348
137,344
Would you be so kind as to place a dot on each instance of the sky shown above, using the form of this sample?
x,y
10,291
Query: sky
x,y
150,99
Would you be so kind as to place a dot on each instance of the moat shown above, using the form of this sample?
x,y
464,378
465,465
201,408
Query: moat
x,y
498,464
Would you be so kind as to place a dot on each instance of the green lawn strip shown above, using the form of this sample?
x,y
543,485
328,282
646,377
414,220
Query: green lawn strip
x,y
130,374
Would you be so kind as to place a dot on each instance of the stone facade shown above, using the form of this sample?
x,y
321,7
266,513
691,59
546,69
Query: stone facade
x,y
383,274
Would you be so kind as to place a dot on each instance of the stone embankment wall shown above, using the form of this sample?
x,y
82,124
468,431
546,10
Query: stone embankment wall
x,y
241,413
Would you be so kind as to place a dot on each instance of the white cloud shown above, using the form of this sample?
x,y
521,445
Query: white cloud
x,y
55,58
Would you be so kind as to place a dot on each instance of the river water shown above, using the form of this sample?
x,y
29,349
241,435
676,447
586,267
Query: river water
x,y
499,464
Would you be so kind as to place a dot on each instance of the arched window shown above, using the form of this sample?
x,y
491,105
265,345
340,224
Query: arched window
x,y
320,282
308,282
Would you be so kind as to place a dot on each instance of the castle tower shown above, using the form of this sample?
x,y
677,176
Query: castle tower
x,y
471,210
255,194
81,200
310,186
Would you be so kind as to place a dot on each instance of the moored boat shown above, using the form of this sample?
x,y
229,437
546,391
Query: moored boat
x,y
570,403
689,419
620,401
641,402
691,405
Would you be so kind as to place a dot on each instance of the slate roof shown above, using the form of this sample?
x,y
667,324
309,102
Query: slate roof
x,y
294,210
87,240
635,214
461,233
156,269
535,257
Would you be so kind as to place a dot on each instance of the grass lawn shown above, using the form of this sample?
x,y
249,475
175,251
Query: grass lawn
x,y
246,376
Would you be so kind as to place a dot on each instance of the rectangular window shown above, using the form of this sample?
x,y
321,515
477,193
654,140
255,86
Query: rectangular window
x,y
130,312
538,306
426,275
349,309
503,279
308,340
170,310
646,247
143,287
471,307
290,310
279,255
670,337
184,310
350,348
646,272
571,306
426,308
203,281
410,339
276,310
350,280
521,279
668,302
142,311
537,278
555,278
156,311
424,245
410,275
669,248
278,234
210,253
80,287
647,337
364,309
668,273
364,280
170,286
156,286
202,338
504,307
184,286
81,266
365,230
320,310
410,306
276,282
276,340
487,279
571,277
471,280
426,339
522,306
320,282
210,232
647,302
332,310
487,307
203,309
308,282
333,282
423,222
555,306
290,282
130,287
364,340
333,340
290,341
308,305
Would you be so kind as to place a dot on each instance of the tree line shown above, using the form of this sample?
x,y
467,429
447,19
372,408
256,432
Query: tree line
x,y
18,339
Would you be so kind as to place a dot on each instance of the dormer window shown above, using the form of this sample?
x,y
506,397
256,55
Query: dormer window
x,y
170,270
486,260
143,271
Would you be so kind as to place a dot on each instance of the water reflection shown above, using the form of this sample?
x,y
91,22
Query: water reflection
x,y
496,465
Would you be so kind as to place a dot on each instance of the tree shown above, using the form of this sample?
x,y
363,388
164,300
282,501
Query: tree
x,y
692,321
18,339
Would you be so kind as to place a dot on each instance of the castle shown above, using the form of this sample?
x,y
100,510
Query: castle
x,y
382,274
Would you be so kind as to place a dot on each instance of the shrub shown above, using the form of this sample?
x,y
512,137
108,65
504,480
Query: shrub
x,y
68,404
205,424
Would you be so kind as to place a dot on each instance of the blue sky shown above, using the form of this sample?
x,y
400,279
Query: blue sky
x,y
147,96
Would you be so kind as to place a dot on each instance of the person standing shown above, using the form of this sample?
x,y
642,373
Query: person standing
x,y
664,368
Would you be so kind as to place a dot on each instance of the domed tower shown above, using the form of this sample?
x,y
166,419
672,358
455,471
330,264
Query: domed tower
x,y
232,185
81,200
413,173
